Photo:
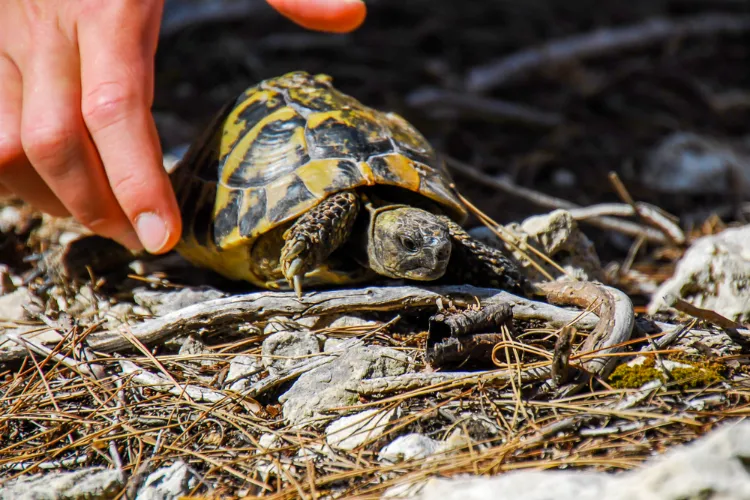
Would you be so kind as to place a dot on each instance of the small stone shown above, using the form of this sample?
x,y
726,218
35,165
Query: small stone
x,y
268,441
243,371
557,234
351,321
287,348
284,324
352,431
457,441
167,483
12,304
192,345
410,447
269,468
120,314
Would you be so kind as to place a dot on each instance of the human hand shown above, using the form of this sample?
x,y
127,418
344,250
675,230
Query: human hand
x,y
76,132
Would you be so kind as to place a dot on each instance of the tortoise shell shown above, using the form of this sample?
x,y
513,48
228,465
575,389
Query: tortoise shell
x,y
279,149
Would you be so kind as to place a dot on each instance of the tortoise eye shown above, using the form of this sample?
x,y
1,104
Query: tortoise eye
x,y
408,244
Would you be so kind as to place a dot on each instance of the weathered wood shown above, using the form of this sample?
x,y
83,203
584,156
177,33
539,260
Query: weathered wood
x,y
224,313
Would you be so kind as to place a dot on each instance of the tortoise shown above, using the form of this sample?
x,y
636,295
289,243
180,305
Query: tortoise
x,y
295,184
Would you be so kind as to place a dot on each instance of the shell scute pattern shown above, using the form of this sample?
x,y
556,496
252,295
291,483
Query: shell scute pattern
x,y
351,134
274,147
250,108
319,98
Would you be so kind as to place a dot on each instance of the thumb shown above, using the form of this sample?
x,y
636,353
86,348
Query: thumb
x,y
334,16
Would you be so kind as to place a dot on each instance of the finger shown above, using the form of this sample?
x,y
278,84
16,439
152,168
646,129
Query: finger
x,y
335,16
55,140
117,83
16,174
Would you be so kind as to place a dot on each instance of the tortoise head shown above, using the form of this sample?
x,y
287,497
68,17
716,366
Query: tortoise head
x,y
408,242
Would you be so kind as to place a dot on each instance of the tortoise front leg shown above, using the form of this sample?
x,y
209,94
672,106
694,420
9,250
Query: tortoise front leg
x,y
478,264
316,234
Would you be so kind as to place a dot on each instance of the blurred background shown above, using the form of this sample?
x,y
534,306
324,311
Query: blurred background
x,y
551,95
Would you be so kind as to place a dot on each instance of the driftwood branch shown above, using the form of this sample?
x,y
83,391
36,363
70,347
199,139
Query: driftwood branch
x,y
602,42
224,313
614,328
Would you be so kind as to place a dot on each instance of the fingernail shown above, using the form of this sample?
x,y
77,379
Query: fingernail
x,y
152,231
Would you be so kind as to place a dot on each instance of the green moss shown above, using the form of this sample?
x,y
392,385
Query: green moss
x,y
698,374
701,373
632,377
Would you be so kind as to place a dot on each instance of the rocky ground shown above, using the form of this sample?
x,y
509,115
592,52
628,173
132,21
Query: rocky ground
x,y
605,145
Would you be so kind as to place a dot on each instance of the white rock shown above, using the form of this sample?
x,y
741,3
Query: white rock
x,y
167,483
92,483
267,467
325,387
409,447
713,274
288,348
122,313
526,485
558,235
285,324
352,431
714,466
243,371
268,441
11,304
351,321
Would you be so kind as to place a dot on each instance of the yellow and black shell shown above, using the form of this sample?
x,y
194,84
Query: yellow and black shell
x,y
279,149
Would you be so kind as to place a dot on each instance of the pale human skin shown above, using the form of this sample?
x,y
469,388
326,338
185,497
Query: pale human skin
x,y
77,137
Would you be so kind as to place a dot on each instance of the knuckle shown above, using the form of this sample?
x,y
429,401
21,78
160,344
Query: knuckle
x,y
49,141
108,103
127,185
10,148
134,191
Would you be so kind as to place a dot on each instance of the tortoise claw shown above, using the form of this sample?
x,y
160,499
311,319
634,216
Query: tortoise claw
x,y
294,275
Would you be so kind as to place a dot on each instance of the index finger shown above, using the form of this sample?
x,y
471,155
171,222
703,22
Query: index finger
x,y
117,56
334,16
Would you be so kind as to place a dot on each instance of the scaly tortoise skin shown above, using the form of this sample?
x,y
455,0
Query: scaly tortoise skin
x,y
273,194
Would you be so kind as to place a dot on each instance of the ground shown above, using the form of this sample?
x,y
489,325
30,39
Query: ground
x,y
229,386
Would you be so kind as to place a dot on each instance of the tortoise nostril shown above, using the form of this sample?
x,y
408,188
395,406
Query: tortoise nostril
x,y
444,252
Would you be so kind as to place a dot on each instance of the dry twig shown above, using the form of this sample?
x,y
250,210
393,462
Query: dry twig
x,y
599,43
